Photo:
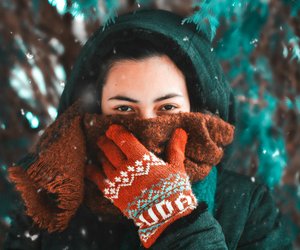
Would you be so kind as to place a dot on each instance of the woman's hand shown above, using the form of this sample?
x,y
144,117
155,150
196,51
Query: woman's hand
x,y
146,189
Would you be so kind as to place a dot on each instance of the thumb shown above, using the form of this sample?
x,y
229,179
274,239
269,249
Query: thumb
x,y
176,147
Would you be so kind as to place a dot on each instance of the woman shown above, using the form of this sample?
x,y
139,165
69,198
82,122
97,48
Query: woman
x,y
151,92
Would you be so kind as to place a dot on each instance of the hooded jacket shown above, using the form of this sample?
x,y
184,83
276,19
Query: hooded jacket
x,y
166,30
244,216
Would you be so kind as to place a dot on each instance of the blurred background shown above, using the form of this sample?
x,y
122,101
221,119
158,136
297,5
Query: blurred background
x,y
257,42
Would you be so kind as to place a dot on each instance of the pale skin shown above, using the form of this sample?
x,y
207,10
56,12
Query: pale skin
x,y
146,88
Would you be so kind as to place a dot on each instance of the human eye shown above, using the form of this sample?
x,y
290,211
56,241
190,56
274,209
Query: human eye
x,y
123,108
168,107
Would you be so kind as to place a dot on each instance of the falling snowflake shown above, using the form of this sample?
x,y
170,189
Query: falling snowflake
x,y
83,232
29,55
33,237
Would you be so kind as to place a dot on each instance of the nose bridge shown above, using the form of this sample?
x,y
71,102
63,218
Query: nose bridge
x,y
146,113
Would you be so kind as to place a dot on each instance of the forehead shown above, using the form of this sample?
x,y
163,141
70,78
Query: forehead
x,y
152,74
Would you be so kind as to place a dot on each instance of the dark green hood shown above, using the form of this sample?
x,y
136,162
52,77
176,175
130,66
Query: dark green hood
x,y
211,89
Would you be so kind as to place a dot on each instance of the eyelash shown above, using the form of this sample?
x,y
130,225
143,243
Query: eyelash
x,y
173,107
117,108
122,106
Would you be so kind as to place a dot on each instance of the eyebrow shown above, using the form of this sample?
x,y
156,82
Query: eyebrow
x,y
125,98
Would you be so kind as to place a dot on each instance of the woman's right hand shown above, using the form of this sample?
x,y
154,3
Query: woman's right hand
x,y
152,192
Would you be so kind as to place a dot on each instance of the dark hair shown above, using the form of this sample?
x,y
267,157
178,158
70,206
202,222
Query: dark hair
x,y
133,47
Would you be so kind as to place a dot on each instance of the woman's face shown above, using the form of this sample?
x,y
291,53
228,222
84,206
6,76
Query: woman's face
x,y
145,88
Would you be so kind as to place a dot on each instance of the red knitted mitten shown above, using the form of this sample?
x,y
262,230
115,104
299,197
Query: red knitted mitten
x,y
146,189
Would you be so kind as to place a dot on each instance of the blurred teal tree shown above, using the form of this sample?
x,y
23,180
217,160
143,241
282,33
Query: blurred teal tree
x,y
257,42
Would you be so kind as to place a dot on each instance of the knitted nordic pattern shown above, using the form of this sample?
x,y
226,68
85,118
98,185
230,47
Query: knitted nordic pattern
x,y
141,167
158,192
132,171
182,206
157,205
